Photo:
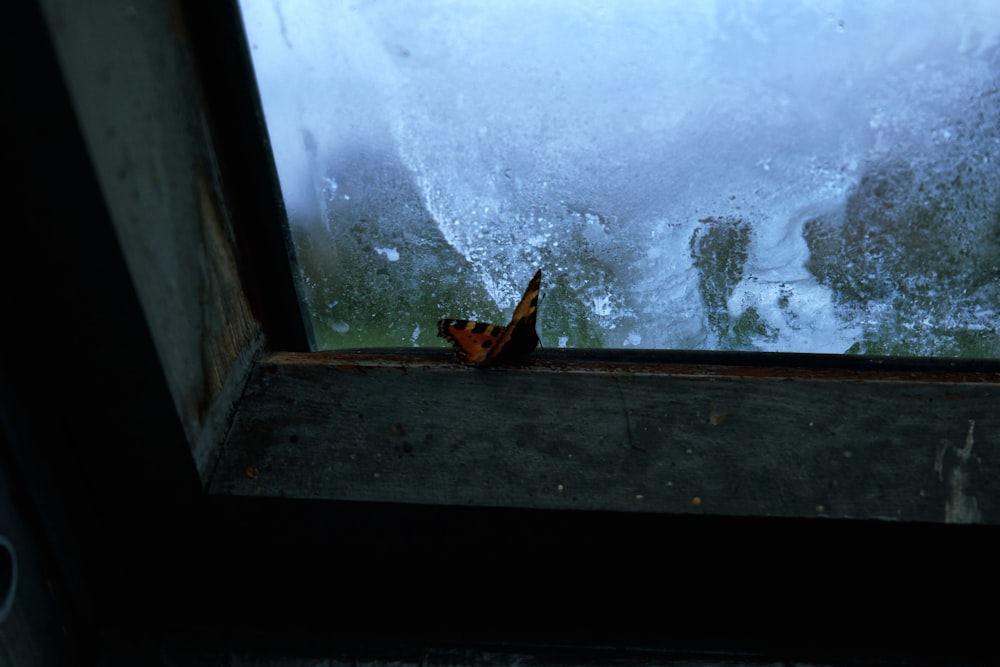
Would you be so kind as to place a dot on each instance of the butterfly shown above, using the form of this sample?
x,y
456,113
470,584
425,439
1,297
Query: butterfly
x,y
484,344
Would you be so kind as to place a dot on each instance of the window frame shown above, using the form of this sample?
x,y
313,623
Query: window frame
x,y
918,386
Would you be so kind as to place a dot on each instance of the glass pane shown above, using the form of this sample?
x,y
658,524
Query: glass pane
x,y
753,175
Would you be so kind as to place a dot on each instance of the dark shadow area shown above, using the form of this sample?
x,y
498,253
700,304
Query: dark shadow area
x,y
316,577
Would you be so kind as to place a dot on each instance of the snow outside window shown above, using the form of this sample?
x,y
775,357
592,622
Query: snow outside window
x,y
738,174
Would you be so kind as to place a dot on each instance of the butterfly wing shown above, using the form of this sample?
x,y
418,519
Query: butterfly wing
x,y
518,338
472,341
484,344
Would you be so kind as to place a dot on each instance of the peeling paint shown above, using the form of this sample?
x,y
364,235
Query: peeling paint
x,y
960,505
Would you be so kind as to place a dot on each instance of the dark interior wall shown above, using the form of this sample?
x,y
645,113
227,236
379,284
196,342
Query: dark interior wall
x,y
31,614
90,431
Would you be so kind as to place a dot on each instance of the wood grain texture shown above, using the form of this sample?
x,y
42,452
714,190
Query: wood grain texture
x,y
166,178
561,433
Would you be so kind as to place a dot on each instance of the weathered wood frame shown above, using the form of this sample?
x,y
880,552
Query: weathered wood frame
x,y
771,435
573,457
730,434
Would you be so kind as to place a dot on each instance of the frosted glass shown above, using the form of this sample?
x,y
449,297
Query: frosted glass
x,y
756,175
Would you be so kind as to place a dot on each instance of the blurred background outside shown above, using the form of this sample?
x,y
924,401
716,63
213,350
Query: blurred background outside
x,y
748,175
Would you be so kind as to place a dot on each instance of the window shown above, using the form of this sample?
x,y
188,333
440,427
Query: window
x,y
781,176
633,430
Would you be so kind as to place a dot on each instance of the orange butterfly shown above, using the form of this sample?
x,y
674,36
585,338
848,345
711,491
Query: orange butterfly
x,y
484,344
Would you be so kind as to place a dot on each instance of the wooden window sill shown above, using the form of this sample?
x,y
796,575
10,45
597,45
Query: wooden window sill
x,y
730,434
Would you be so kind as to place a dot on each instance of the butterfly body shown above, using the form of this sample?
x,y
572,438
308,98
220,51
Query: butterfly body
x,y
485,344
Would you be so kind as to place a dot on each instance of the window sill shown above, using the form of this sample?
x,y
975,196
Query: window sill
x,y
633,431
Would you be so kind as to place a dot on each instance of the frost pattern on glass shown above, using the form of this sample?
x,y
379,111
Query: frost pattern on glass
x,y
776,176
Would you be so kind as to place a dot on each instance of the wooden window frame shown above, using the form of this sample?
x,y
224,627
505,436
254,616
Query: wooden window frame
x,y
535,499
675,432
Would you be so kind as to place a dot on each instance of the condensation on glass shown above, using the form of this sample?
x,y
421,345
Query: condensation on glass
x,y
772,176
